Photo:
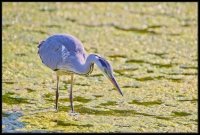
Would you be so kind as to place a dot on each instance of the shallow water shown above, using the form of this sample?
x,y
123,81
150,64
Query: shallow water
x,y
151,46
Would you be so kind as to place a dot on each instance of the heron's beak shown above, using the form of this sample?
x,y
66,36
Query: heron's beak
x,y
112,79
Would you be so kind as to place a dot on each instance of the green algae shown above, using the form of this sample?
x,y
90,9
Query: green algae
x,y
175,79
162,65
98,96
132,86
159,54
9,98
51,96
159,65
117,56
135,61
191,100
64,123
125,71
111,112
148,78
82,84
180,114
163,118
150,103
8,82
30,90
151,58
108,103
81,99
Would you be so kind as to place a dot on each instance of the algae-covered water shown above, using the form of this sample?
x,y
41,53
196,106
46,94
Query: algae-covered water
x,y
151,46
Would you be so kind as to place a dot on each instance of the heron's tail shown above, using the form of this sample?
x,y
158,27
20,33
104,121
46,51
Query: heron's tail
x,y
40,43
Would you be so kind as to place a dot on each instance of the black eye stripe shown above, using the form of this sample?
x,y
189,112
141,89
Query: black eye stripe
x,y
103,63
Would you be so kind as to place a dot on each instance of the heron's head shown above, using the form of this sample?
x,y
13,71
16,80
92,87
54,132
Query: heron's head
x,y
107,70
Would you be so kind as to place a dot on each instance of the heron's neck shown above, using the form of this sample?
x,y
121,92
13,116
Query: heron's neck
x,y
87,67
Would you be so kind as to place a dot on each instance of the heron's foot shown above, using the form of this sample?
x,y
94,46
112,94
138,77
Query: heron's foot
x,y
72,113
56,108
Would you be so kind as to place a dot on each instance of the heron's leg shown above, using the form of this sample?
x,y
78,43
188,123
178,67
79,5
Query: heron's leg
x,y
57,94
70,95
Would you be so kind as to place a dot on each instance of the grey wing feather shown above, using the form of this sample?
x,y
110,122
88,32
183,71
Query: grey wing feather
x,y
62,52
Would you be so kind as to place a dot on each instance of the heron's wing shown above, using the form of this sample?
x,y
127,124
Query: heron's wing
x,y
62,52
50,55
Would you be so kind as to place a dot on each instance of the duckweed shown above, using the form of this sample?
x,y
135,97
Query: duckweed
x,y
152,48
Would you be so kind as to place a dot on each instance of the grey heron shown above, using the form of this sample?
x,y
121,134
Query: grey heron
x,y
65,55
